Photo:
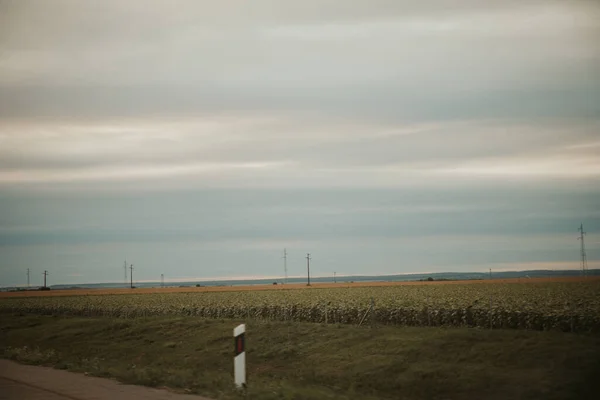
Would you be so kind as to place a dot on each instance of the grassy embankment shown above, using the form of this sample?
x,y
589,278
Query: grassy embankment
x,y
312,361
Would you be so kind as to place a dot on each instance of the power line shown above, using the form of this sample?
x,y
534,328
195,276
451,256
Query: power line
x,y
308,267
583,254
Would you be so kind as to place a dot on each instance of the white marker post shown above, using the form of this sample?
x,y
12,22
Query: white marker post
x,y
239,360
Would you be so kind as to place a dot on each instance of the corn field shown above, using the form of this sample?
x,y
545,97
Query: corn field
x,y
564,306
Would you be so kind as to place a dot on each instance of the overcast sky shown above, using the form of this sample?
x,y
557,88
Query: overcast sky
x,y
198,139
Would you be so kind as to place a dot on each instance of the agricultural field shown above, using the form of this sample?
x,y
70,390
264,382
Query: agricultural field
x,y
568,305
320,285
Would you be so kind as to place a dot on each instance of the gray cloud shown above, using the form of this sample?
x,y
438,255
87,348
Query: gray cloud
x,y
230,150
212,215
394,61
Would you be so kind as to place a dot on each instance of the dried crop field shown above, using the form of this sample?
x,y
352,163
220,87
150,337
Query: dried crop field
x,y
566,305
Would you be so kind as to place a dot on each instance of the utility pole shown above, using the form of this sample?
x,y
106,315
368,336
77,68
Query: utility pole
x,y
285,265
131,268
490,273
308,267
334,280
162,280
583,255
27,277
45,275
125,270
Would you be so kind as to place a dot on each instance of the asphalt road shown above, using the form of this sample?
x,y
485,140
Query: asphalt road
x,y
11,390
26,382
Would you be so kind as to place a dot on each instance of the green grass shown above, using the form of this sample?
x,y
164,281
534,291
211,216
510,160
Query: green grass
x,y
312,361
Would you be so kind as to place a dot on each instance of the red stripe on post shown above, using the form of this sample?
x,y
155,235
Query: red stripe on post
x,y
239,344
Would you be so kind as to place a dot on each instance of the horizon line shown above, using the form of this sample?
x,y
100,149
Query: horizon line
x,y
281,278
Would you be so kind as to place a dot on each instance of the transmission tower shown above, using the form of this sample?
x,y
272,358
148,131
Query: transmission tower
x,y
162,280
285,265
45,275
583,255
27,277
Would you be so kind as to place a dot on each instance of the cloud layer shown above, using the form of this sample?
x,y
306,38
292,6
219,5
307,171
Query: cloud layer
x,y
188,131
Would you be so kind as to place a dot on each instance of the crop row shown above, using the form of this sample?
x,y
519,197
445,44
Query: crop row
x,y
539,306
